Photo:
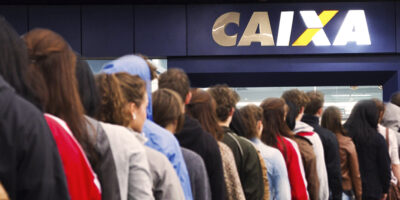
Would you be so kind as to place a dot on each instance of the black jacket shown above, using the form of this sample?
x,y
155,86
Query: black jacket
x,y
332,156
194,137
30,165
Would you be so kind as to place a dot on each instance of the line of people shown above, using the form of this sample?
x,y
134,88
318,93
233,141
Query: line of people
x,y
68,134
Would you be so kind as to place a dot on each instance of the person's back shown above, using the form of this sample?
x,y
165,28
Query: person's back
x,y
105,168
30,164
165,181
198,175
234,189
247,163
351,179
331,154
294,167
193,137
277,171
307,131
131,161
310,165
372,150
82,181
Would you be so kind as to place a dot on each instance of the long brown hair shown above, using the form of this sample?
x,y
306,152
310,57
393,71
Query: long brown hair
x,y
53,58
251,114
203,107
113,103
274,110
332,120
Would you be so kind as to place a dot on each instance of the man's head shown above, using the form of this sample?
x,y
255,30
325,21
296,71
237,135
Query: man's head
x,y
316,103
176,80
226,100
298,98
395,99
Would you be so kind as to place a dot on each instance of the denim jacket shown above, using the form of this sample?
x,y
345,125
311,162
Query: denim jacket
x,y
276,168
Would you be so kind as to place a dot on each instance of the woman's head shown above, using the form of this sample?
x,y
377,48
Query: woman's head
x,y
87,87
381,109
123,99
203,107
14,63
274,112
363,121
332,120
252,116
54,61
168,109
134,90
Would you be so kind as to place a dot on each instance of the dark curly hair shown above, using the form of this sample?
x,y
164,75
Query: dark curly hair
x,y
225,98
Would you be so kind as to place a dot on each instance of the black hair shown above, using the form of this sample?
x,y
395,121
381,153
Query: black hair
x,y
14,63
88,90
363,122
237,124
291,115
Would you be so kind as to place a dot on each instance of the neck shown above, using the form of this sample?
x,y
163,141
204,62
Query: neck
x,y
171,128
225,123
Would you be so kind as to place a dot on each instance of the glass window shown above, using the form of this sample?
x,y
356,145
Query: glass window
x,y
344,97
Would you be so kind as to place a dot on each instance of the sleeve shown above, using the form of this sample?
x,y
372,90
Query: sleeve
x,y
253,173
298,188
394,150
168,184
214,167
140,182
281,178
354,170
384,164
40,173
333,167
105,168
202,184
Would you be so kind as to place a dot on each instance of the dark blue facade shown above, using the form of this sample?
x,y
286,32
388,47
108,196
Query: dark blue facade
x,y
182,33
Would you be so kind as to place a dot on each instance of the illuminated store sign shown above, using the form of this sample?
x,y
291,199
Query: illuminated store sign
x,y
287,29
354,28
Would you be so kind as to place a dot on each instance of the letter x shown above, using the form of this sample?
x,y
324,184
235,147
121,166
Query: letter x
x,y
314,31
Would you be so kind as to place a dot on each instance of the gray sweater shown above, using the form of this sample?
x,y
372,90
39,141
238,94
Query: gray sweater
x,y
131,161
166,184
198,175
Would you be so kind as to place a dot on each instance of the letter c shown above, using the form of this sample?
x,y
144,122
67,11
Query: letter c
x,y
218,31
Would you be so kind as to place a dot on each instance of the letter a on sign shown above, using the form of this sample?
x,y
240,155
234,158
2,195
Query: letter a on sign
x,y
314,24
261,20
353,29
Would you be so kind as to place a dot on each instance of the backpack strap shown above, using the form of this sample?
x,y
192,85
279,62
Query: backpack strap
x,y
387,137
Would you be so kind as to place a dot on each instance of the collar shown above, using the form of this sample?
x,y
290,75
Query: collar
x,y
140,136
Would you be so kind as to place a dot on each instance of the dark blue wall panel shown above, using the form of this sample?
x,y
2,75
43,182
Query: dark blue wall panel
x,y
391,85
107,31
65,20
380,17
160,30
17,16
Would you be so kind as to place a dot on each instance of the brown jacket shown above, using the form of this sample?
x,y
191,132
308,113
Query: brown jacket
x,y
351,179
310,166
265,176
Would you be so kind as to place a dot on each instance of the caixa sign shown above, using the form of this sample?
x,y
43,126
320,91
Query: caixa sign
x,y
353,29
282,29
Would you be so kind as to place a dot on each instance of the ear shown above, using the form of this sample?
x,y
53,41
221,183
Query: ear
x,y
301,110
319,112
259,125
232,112
188,98
132,107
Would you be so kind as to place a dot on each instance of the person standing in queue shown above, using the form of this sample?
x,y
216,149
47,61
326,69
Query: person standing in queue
x,y
372,150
